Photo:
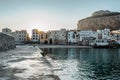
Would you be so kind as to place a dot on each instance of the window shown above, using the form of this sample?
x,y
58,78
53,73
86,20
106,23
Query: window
x,y
69,34
33,35
33,32
36,35
41,36
36,32
73,36
46,36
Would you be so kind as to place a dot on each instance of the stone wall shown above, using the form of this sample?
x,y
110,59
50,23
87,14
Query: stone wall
x,y
6,42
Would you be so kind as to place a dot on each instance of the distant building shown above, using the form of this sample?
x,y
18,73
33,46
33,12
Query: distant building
x,y
72,36
103,37
103,34
35,36
19,36
6,31
43,37
23,36
86,37
39,36
10,33
115,35
16,37
57,36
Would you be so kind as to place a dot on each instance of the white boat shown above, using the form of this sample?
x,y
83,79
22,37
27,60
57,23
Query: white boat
x,y
118,42
101,44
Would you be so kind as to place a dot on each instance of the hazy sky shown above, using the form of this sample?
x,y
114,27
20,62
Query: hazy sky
x,y
50,14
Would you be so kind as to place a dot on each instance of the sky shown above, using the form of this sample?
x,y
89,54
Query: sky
x,y
48,15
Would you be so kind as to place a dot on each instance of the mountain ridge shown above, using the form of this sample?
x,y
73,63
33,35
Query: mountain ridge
x,y
100,20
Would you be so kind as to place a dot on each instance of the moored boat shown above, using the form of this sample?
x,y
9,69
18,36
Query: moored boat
x,y
106,44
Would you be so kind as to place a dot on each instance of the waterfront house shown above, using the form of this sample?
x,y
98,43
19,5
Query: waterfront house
x,y
23,36
72,37
86,37
116,35
103,37
39,37
35,36
103,34
43,37
57,36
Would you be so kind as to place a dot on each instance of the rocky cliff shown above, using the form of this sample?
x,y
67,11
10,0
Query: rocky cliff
x,y
100,20
6,42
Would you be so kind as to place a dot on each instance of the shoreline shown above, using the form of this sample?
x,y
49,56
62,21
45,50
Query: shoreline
x,y
62,46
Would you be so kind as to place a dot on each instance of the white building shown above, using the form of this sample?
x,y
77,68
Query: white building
x,y
57,36
35,36
86,37
86,34
6,31
72,36
16,36
103,37
19,36
22,36
103,34
115,35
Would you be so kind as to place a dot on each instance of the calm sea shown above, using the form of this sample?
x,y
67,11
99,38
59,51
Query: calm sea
x,y
85,64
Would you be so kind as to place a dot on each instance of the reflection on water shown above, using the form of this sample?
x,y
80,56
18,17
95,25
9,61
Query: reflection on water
x,y
86,64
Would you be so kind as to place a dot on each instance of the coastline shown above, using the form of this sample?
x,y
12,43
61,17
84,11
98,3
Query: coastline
x,y
62,46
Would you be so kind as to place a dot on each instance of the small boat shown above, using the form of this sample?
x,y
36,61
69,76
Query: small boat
x,y
106,44
101,44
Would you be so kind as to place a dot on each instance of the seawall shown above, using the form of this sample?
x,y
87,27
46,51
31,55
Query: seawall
x,y
6,42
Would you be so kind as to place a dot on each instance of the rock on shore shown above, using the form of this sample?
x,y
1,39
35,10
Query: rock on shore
x,y
6,42
100,20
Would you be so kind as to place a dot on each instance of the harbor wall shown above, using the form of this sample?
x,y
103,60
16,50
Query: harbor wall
x,y
7,42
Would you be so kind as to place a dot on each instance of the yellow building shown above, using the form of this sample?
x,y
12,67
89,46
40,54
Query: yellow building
x,y
39,36
43,37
